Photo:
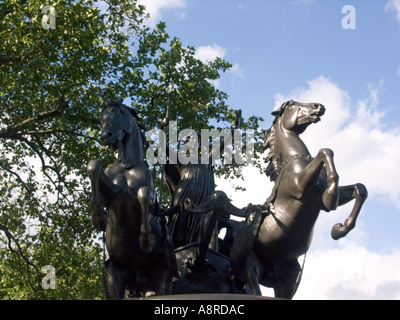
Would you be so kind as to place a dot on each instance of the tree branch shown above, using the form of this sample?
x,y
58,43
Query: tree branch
x,y
52,131
6,59
42,116
10,238
12,131
6,167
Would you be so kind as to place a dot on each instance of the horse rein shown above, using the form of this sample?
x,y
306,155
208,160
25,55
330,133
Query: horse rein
x,y
282,169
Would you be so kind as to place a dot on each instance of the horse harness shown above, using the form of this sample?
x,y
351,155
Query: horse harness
x,y
282,168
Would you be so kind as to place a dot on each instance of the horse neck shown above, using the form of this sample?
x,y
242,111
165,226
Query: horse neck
x,y
131,149
288,143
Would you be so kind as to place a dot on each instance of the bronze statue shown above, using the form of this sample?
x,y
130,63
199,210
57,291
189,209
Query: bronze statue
x,y
266,250
195,214
194,182
203,269
265,246
141,256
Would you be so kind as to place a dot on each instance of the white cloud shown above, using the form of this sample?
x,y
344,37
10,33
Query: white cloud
x,y
155,8
237,71
256,192
210,52
393,5
351,272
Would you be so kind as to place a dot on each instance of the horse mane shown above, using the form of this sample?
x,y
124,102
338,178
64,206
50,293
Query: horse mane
x,y
272,170
273,167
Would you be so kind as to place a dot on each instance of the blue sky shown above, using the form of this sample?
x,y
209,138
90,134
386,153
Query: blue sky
x,y
279,44
298,49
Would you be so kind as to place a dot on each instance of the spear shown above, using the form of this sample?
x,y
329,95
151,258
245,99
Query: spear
x,y
164,124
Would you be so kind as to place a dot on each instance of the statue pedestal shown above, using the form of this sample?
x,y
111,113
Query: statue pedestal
x,y
208,297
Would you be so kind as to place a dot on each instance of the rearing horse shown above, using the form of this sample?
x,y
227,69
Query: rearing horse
x,y
140,253
266,250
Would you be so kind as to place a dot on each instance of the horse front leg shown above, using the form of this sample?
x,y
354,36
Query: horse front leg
x,y
146,200
309,176
103,193
347,193
99,217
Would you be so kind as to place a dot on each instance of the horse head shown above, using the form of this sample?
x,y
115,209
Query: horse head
x,y
116,121
298,116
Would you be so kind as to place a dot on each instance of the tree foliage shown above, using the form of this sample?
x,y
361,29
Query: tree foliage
x,y
52,83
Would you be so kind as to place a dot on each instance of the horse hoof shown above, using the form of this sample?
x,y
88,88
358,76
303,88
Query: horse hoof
x,y
361,192
338,231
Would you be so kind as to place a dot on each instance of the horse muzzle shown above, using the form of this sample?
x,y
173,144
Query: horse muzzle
x,y
318,112
110,139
